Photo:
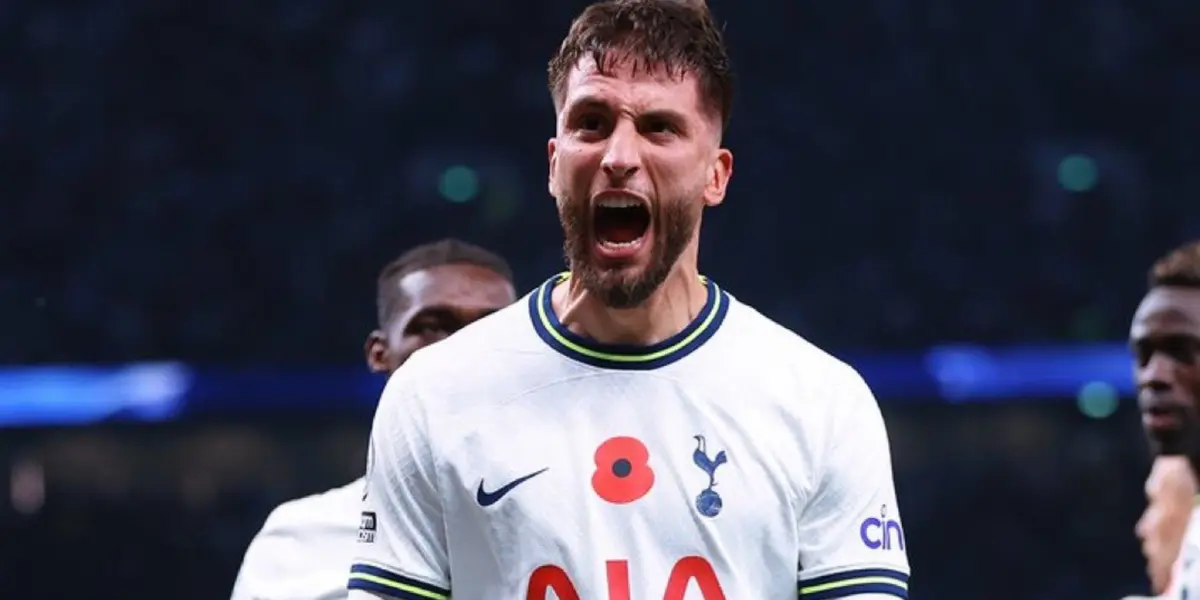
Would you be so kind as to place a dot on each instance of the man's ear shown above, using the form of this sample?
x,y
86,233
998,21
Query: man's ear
x,y
718,178
376,351
552,161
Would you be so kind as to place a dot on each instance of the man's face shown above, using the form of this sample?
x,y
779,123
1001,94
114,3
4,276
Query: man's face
x,y
1170,490
1165,340
438,301
635,160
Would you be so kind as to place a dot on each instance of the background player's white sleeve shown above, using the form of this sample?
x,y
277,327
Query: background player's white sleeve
x,y
1185,573
277,566
852,542
402,537
255,575
1189,582
303,549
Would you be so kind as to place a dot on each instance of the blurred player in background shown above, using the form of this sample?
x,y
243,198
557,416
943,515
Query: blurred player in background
x,y
1170,493
630,430
305,546
1165,339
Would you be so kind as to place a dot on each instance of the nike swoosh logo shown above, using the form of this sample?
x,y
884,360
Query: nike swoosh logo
x,y
486,498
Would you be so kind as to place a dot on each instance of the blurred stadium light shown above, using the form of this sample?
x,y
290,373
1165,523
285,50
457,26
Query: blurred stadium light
x,y
159,392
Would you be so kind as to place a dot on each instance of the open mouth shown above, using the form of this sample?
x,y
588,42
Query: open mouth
x,y
1163,414
620,224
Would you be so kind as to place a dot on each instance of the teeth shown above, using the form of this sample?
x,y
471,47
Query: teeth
x,y
621,244
619,203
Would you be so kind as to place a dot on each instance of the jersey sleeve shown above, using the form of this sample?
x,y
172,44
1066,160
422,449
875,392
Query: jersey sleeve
x,y
1185,582
259,567
852,540
274,561
1189,583
401,550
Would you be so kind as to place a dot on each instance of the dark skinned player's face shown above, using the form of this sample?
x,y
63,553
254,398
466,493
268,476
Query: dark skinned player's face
x,y
439,301
1165,340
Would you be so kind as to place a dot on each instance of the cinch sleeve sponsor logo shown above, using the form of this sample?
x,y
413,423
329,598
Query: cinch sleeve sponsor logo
x,y
882,533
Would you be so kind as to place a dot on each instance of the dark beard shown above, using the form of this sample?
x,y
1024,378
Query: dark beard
x,y
623,288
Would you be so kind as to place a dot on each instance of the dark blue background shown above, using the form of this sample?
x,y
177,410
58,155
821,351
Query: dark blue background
x,y
221,180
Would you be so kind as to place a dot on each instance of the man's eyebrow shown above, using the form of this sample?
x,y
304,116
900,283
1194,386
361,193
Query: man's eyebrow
x,y
593,102
446,310
666,114
584,102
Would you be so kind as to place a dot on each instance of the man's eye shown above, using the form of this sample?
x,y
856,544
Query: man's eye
x,y
590,122
1181,349
425,328
660,126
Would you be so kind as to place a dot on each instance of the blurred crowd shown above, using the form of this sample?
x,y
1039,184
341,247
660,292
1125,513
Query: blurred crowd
x,y
220,180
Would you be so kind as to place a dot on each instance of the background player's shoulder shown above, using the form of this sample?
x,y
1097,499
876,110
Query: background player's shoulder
x,y
319,511
303,548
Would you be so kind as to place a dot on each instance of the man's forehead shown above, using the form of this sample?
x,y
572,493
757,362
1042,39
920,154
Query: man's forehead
x,y
453,286
627,80
1169,306
446,276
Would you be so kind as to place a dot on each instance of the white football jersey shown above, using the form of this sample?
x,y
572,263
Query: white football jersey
x,y
304,549
518,460
1185,576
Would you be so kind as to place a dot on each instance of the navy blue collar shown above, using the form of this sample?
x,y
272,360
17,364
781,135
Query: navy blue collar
x,y
625,356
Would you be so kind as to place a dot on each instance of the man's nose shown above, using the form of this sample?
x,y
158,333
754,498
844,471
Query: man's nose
x,y
1158,374
622,157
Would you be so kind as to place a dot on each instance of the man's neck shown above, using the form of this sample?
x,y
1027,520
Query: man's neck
x,y
665,313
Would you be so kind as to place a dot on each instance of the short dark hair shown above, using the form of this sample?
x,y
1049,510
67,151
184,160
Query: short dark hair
x,y
678,36
1179,268
389,302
